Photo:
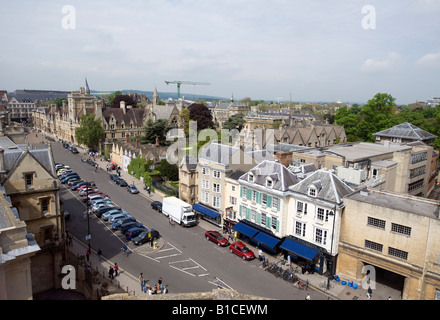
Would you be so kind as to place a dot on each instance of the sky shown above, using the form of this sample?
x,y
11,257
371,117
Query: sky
x,y
279,50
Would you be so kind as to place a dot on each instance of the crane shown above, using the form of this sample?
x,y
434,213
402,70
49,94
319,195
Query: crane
x,y
185,82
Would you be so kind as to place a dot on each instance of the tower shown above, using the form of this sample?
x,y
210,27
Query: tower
x,y
155,98
87,87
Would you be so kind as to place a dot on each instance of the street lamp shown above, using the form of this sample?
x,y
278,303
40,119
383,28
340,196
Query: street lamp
x,y
330,274
88,236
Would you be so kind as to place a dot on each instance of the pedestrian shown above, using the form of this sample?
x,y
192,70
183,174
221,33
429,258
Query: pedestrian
x,y
389,298
124,249
88,255
308,297
369,293
260,254
99,254
111,271
85,214
159,282
142,282
116,267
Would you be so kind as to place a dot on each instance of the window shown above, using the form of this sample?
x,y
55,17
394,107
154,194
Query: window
x,y
312,192
216,174
269,183
232,188
216,201
400,229
232,200
29,177
216,187
321,236
373,245
254,195
263,219
205,184
373,222
205,170
415,185
264,199
275,203
274,222
253,215
251,177
300,229
320,214
205,197
398,253
45,205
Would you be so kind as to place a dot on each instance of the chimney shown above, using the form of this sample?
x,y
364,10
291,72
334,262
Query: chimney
x,y
157,142
122,106
127,138
284,157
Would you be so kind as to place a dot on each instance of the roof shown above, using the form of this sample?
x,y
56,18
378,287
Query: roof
x,y
236,174
406,130
219,153
37,95
134,115
281,177
163,112
328,186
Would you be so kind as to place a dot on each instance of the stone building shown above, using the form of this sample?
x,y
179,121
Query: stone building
x,y
395,237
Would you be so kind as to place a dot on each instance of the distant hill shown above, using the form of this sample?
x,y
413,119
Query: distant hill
x,y
164,95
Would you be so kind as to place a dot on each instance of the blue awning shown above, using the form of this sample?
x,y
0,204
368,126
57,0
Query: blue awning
x,y
267,240
299,249
206,211
245,229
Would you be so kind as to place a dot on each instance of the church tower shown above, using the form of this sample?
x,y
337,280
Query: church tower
x,y
155,98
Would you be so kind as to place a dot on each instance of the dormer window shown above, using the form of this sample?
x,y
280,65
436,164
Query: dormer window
x,y
269,183
251,177
312,191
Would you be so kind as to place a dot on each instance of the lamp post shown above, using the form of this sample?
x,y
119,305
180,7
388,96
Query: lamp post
x,y
88,236
330,274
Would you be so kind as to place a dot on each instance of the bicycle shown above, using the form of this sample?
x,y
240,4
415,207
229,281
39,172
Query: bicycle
x,y
326,285
302,285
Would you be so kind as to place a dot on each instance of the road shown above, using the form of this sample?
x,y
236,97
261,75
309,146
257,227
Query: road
x,y
187,262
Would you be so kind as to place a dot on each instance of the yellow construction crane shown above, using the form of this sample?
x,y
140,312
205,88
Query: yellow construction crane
x,y
185,82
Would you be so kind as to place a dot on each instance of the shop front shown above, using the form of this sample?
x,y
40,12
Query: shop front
x,y
208,214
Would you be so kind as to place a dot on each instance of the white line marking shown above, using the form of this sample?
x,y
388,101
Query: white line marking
x,y
178,261
198,264
182,271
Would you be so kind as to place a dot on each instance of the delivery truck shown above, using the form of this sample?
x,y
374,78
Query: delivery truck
x,y
179,211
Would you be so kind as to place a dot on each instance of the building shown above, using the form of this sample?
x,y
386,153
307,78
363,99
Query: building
x,y
395,237
20,111
215,161
188,187
401,168
223,110
404,133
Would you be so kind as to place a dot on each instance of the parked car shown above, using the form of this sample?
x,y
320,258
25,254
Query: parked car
x,y
66,146
240,249
78,185
121,182
157,205
103,210
67,179
117,224
99,204
110,213
128,225
134,232
66,215
132,189
87,190
73,182
217,238
74,150
114,177
118,217
145,236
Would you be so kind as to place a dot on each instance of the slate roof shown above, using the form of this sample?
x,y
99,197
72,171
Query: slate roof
x,y
37,95
163,112
132,114
406,130
281,177
328,186
219,153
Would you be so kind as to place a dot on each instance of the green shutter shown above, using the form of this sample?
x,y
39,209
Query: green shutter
x,y
257,217
240,212
241,194
248,214
278,204
249,194
278,225
269,201
267,221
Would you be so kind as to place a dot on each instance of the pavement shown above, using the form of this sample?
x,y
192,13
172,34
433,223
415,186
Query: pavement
x,y
336,291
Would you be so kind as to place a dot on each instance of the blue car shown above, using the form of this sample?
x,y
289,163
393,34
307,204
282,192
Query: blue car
x,y
78,184
116,225
134,232
128,225
63,181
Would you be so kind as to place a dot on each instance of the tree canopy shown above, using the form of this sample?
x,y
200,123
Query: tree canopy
x,y
89,131
155,130
129,101
202,115
235,121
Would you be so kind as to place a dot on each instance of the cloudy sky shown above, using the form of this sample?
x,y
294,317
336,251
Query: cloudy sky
x,y
303,50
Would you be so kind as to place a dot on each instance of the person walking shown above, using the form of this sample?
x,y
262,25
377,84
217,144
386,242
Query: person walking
x,y
308,297
111,271
116,267
124,249
160,283
369,293
88,255
142,282
99,254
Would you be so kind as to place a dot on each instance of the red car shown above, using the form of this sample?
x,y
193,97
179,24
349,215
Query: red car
x,y
217,238
240,249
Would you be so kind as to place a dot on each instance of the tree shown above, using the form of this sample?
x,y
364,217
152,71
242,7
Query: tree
x,y
202,115
89,131
185,116
169,171
112,96
235,121
155,130
129,101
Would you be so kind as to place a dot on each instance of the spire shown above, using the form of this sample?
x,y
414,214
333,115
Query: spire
x,y
155,97
87,87
232,97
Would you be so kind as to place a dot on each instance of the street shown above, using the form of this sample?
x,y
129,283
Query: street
x,y
187,262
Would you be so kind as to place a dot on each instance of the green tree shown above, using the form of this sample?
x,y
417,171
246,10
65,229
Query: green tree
x,y
235,121
89,131
185,115
137,167
155,130
169,171
112,96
